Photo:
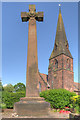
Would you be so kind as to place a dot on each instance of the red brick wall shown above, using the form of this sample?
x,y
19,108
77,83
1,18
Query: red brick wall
x,y
68,80
62,76
76,86
44,76
43,81
68,75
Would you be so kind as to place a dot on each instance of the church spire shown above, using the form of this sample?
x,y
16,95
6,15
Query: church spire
x,y
61,43
59,8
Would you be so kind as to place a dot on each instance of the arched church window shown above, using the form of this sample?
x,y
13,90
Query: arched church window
x,y
39,87
68,64
56,64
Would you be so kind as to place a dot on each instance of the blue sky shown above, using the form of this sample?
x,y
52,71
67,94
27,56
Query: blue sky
x,y
15,37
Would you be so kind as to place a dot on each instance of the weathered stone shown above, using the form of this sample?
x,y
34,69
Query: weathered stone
x,y
32,104
32,89
74,116
60,70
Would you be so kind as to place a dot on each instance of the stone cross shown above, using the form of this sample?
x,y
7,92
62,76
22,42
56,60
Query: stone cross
x,y
32,84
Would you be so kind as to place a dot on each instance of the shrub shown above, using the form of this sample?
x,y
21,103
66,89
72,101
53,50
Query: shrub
x,y
75,100
2,105
10,98
78,100
8,88
58,98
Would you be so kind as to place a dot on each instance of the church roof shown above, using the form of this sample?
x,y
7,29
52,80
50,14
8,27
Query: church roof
x,y
61,44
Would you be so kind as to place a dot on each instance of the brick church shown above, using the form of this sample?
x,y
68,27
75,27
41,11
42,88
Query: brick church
x,y
60,70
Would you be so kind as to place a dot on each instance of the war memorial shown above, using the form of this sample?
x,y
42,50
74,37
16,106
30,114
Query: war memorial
x,y
32,104
60,69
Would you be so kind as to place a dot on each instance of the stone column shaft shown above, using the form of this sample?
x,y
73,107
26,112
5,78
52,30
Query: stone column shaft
x,y
32,61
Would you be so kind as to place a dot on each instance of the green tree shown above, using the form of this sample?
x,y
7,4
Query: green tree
x,y
9,98
9,88
1,87
19,87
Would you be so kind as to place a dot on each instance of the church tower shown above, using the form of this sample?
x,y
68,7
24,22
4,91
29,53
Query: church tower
x,y
60,70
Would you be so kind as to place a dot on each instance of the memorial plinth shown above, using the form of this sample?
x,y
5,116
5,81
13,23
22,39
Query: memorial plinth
x,y
32,104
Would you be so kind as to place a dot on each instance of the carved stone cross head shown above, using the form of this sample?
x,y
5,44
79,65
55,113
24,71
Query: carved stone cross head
x,y
31,14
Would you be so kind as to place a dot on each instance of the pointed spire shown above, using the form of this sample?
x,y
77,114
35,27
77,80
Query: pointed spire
x,y
59,8
61,43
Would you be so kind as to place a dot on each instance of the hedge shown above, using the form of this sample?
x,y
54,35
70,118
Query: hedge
x,y
10,98
58,98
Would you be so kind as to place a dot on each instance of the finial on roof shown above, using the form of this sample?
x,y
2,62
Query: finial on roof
x,y
59,4
61,43
59,8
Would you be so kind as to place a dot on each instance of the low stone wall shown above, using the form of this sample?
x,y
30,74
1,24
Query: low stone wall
x,y
74,116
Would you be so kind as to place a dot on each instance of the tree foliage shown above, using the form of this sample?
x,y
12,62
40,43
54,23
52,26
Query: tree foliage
x,y
19,87
9,88
9,98
1,87
12,94
58,98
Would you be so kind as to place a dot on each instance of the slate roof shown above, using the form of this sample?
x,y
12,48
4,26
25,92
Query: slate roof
x,y
61,44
